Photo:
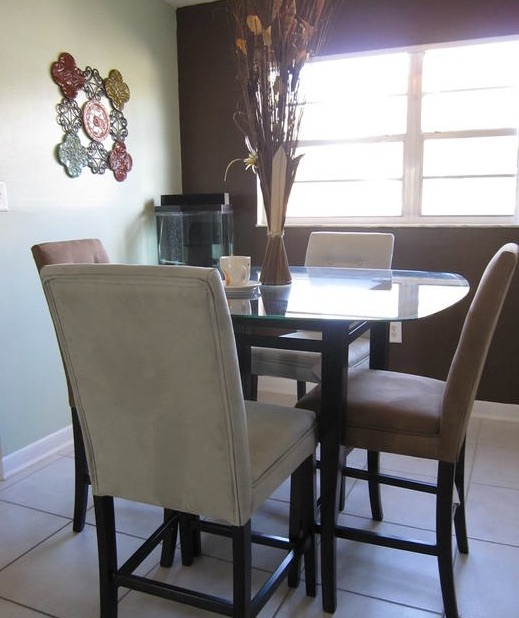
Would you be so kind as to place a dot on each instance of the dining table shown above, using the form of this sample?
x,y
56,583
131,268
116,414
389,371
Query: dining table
x,y
340,303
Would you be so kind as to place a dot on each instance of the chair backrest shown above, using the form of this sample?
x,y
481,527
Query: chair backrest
x,y
152,360
350,249
471,352
81,251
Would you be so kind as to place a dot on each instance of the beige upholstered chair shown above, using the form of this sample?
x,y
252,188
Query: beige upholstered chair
x,y
423,417
152,361
331,249
83,251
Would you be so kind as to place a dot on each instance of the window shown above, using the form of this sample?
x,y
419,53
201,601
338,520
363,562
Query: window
x,y
422,136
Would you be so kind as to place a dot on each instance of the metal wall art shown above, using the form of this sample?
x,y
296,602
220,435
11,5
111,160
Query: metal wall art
x,y
100,116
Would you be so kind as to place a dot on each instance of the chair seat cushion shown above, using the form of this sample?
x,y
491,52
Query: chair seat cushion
x,y
390,412
291,364
300,365
394,402
280,438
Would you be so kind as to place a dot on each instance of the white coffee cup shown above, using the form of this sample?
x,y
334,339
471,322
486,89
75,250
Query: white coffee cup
x,y
235,269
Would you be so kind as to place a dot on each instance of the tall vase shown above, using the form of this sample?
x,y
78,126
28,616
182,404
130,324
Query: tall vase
x,y
275,269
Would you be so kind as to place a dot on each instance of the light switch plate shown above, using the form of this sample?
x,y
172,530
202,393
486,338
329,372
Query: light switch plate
x,y
3,196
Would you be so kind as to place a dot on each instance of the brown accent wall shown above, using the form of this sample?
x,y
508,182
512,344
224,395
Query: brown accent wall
x,y
208,96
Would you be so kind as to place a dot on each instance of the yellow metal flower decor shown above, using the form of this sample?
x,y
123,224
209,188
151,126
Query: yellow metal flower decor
x,y
274,39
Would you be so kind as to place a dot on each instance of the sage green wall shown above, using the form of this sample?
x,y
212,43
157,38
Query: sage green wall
x,y
137,37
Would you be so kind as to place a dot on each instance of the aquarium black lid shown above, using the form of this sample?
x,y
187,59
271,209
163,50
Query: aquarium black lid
x,y
193,202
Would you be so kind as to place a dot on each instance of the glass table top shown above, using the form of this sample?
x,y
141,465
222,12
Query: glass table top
x,y
350,294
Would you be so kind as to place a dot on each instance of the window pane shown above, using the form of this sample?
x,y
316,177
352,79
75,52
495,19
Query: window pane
x,y
471,66
359,116
468,196
351,161
470,156
339,78
355,97
346,199
474,109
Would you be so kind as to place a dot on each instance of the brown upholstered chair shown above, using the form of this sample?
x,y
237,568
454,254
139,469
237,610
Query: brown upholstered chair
x,y
423,417
83,251
151,354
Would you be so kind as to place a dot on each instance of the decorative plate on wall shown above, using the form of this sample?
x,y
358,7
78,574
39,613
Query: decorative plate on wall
x,y
100,116
96,120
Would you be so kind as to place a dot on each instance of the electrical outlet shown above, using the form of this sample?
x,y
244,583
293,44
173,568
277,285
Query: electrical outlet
x,y
3,196
395,332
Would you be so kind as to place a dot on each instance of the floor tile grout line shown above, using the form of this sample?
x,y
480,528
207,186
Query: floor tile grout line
x,y
37,509
490,542
32,609
390,602
496,486
24,553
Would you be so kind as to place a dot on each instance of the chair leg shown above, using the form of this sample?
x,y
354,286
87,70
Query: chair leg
x,y
375,501
197,542
460,523
250,389
444,537
169,542
107,550
342,489
82,476
190,542
302,524
242,570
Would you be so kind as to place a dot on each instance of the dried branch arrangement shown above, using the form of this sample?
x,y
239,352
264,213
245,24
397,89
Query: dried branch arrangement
x,y
274,39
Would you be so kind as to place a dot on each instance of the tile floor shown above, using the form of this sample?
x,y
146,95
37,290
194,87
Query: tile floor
x,y
47,570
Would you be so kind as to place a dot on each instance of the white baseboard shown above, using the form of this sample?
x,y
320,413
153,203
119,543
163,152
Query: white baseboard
x,y
495,411
482,409
35,452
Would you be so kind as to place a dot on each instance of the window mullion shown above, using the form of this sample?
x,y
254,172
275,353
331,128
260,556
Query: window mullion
x,y
413,148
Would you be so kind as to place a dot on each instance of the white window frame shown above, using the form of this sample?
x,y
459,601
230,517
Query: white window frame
x,y
413,159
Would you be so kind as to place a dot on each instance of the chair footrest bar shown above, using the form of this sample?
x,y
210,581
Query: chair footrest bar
x,y
144,550
174,593
375,538
388,479
272,584
258,538
271,541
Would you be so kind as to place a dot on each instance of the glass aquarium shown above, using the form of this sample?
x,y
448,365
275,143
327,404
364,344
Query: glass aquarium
x,y
194,229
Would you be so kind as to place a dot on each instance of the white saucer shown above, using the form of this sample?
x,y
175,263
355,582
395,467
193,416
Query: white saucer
x,y
241,291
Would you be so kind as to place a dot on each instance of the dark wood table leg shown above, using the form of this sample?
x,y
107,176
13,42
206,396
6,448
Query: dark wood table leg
x,y
379,345
249,382
379,359
333,385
